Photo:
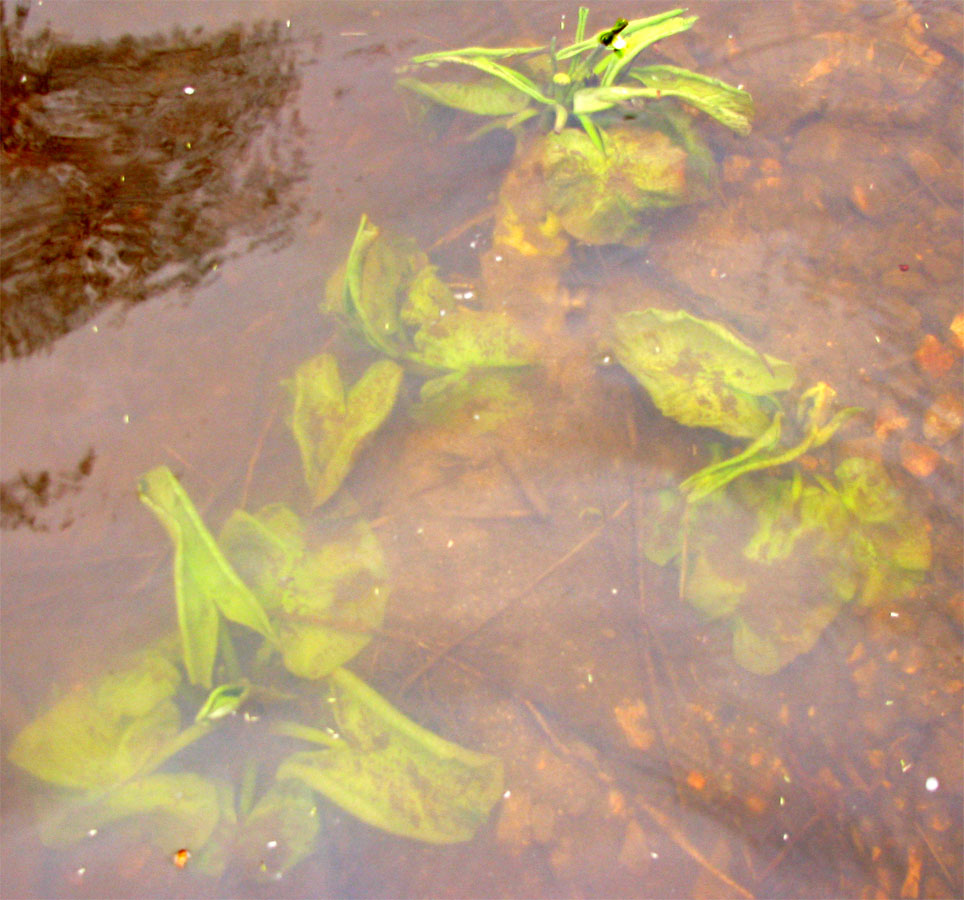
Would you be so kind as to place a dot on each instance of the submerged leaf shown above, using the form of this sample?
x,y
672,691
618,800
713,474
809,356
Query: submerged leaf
x,y
813,417
778,558
366,292
472,403
699,373
394,774
389,293
868,492
330,427
605,196
174,810
469,339
325,593
203,581
100,734
278,833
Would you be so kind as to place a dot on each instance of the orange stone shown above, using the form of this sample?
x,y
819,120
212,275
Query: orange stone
x,y
933,358
957,332
889,420
919,459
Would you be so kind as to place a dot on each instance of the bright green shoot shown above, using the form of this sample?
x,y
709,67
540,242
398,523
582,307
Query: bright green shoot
x,y
580,81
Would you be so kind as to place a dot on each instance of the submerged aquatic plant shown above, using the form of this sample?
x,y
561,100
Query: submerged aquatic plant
x,y
620,141
776,557
269,612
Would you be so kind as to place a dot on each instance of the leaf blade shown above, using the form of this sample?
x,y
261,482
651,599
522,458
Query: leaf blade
x,y
204,583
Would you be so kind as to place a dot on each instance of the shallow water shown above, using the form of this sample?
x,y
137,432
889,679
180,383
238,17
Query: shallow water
x,y
149,319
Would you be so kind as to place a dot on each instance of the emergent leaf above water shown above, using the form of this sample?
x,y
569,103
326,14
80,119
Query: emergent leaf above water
x,y
615,146
579,80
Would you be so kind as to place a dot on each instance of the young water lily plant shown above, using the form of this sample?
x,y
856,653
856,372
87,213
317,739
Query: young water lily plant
x,y
617,139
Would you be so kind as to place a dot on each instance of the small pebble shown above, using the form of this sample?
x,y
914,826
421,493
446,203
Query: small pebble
x,y
943,419
919,459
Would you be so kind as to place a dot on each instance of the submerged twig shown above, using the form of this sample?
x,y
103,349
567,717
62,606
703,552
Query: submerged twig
x,y
649,639
460,229
256,453
683,842
524,483
933,852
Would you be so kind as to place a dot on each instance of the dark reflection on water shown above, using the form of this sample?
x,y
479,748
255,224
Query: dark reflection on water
x,y
22,498
524,620
129,165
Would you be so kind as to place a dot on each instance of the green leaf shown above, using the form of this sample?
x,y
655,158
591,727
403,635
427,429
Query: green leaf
x,y
394,774
222,701
100,734
731,106
813,415
598,99
472,403
777,558
633,27
428,299
278,833
386,287
638,40
608,196
366,292
326,591
867,491
889,543
482,52
760,454
172,810
511,77
469,338
330,427
699,373
203,581
491,97
712,593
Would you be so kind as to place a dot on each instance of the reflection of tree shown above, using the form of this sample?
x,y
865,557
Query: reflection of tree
x,y
127,166
22,498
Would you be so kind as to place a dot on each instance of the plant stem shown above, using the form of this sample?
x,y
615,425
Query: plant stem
x,y
175,745
249,783
287,728
229,654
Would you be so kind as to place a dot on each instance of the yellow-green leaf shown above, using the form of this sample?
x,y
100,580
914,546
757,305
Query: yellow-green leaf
x,y
204,583
392,773
331,427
